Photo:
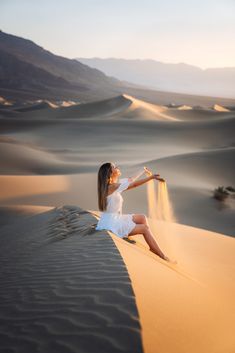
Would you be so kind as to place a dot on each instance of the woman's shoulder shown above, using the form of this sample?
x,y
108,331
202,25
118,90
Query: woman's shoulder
x,y
112,188
121,186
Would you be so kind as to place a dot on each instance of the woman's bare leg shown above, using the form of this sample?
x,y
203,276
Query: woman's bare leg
x,y
140,219
142,227
149,238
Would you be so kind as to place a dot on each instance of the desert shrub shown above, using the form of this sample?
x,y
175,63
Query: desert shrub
x,y
221,193
230,188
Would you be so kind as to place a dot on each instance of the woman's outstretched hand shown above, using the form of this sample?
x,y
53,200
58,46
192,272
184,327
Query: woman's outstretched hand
x,y
155,176
147,171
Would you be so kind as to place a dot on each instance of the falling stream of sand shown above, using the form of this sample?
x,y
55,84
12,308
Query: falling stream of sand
x,y
160,212
161,218
160,208
164,209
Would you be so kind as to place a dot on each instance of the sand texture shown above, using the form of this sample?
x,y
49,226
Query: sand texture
x,y
65,287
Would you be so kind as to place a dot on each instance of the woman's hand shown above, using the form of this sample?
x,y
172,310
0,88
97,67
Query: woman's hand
x,y
161,179
147,171
154,176
157,177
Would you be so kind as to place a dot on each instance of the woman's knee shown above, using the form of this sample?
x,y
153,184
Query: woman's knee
x,y
144,228
139,229
140,219
145,221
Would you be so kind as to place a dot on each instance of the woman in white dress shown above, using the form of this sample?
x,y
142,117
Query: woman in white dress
x,y
110,204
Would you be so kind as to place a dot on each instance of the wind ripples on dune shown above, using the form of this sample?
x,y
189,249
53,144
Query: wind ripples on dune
x,y
65,288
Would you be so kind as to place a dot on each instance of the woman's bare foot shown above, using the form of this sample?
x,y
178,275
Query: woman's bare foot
x,y
164,257
130,240
169,260
161,255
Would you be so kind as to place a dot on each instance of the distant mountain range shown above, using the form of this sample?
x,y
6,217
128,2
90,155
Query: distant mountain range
x,y
181,78
29,71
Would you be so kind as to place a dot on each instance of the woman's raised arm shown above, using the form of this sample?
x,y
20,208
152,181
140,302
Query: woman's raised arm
x,y
137,175
137,183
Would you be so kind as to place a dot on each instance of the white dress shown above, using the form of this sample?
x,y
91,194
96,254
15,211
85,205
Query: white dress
x,y
112,218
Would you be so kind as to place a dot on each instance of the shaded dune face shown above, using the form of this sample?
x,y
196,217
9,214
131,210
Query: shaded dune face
x,y
96,110
37,106
71,281
207,167
20,159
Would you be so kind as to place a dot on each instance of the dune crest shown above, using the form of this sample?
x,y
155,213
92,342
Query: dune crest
x,y
67,103
5,102
38,105
157,111
220,108
184,107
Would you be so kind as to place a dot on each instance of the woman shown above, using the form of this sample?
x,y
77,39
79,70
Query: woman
x,y
110,204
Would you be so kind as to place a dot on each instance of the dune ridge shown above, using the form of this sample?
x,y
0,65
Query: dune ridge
x,y
199,315
220,108
147,110
123,106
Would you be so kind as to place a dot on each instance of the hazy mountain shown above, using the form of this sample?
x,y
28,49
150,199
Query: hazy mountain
x,y
19,75
180,78
27,71
22,60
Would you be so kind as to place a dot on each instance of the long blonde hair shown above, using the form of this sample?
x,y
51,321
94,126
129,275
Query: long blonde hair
x,y
104,174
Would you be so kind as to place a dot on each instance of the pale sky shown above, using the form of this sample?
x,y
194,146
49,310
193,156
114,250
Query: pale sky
x,y
196,32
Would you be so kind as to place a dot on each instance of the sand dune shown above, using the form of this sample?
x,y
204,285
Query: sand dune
x,y
65,287
192,179
85,290
188,307
168,137
36,190
166,98
67,103
194,156
206,168
65,284
8,113
11,214
200,115
120,107
230,107
99,109
220,108
4,102
17,159
143,110
184,107
41,104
